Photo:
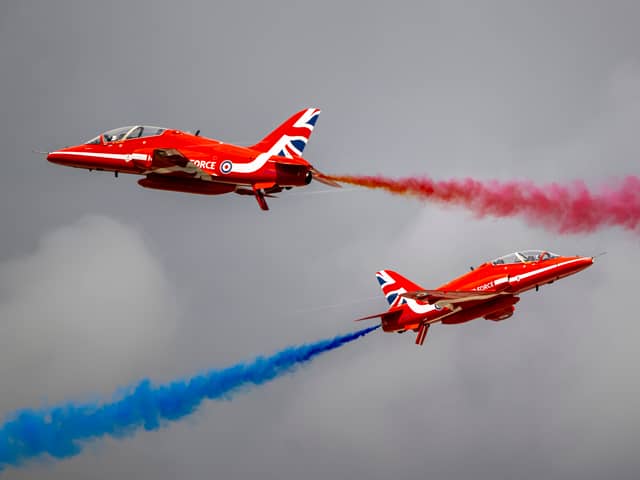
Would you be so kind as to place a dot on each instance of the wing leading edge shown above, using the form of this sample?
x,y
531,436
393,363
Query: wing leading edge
x,y
451,297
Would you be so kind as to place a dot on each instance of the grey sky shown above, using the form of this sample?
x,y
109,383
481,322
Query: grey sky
x,y
102,282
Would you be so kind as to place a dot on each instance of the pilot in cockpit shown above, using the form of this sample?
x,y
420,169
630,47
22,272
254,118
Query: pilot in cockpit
x,y
135,133
128,133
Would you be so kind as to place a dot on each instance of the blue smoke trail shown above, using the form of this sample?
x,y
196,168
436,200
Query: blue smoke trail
x,y
57,431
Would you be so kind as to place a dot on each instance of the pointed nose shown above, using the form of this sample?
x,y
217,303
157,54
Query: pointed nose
x,y
580,263
572,265
58,158
54,157
68,157
586,261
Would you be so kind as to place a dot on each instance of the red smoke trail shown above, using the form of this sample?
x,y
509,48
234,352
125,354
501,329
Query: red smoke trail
x,y
571,208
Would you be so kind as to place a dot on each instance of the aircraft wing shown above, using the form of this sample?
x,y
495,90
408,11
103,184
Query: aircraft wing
x,y
170,160
167,158
451,297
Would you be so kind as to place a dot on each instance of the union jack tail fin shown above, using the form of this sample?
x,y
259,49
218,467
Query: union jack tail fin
x,y
290,138
393,285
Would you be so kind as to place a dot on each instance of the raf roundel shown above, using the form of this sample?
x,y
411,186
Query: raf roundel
x,y
226,166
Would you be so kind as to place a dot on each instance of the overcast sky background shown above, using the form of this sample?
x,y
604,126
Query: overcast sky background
x,y
103,283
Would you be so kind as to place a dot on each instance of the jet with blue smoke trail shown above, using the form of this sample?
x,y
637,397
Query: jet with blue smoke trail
x,y
59,431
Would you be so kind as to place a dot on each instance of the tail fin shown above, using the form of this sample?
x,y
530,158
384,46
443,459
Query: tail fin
x,y
290,138
393,284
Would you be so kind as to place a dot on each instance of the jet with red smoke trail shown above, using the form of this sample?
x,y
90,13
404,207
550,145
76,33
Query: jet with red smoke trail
x,y
186,162
489,291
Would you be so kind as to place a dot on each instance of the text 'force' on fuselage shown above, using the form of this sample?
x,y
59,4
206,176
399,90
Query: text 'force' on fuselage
x,y
184,162
489,291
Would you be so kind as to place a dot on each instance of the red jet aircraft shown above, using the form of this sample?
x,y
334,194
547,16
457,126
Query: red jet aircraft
x,y
490,291
184,162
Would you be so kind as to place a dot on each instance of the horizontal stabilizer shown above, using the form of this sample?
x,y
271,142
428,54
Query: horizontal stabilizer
x,y
388,315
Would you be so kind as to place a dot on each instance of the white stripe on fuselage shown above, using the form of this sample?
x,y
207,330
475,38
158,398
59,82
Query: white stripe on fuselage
x,y
127,157
419,308
414,306
250,167
254,165
262,159
546,269
191,168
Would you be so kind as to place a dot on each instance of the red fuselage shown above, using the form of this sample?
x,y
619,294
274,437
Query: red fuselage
x,y
489,291
184,162
136,155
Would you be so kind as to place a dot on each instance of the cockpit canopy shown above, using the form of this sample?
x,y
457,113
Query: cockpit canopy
x,y
127,133
524,256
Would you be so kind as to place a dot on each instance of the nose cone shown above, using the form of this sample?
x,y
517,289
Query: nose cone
x,y
586,261
567,266
578,264
54,157
59,157
69,157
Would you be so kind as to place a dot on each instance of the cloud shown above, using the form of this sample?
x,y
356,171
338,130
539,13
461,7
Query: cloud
x,y
88,310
